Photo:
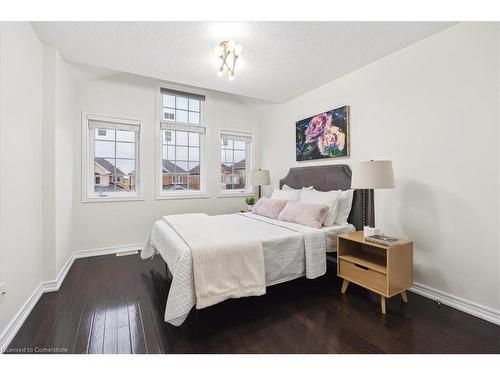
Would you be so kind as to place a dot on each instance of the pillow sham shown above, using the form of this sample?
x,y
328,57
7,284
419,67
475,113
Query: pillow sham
x,y
289,195
327,198
286,187
345,205
269,207
311,215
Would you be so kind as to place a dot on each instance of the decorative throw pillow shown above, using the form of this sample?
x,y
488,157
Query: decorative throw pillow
x,y
345,205
311,215
288,195
269,207
327,198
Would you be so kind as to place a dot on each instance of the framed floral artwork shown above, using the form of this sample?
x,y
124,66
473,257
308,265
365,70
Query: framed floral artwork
x,y
323,136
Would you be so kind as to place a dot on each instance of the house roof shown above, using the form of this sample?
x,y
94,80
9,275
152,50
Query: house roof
x,y
237,166
242,164
110,167
169,167
195,170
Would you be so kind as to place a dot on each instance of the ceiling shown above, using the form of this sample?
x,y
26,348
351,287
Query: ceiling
x,y
280,60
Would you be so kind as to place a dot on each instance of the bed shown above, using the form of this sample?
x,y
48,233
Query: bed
x,y
289,250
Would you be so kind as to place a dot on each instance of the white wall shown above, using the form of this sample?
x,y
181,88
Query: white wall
x,y
109,224
20,165
66,115
60,115
432,108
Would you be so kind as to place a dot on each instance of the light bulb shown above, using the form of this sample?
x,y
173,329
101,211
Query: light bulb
x,y
231,44
219,72
231,77
238,49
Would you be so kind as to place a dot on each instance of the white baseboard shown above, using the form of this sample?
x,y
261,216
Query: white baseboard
x,y
16,323
53,286
106,251
458,303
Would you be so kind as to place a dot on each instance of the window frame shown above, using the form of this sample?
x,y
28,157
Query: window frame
x,y
204,139
88,177
249,158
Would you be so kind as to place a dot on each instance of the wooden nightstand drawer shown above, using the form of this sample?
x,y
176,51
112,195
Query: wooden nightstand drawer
x,y
363,275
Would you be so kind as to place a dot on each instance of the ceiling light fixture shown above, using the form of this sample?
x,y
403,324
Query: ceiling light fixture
x,y
228,52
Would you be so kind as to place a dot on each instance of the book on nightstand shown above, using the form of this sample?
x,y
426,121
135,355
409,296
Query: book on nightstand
x,y
382,240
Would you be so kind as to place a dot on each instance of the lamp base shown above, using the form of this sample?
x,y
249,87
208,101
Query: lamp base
x,y
370,207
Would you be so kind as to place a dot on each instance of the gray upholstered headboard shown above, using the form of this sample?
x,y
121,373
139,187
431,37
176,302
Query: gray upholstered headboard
x,y
329,177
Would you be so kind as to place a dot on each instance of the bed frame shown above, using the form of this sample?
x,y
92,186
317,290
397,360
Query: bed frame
x,y
323,178
331,177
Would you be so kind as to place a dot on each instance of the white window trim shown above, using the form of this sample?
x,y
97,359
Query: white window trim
x,y
87,162
248,192
203,192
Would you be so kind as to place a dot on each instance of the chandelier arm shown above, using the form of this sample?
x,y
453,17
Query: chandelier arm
x,y
227,66
235,57
224,61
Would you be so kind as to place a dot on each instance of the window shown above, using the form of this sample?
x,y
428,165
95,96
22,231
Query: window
x,y
235,161
113,149
181,107
182,134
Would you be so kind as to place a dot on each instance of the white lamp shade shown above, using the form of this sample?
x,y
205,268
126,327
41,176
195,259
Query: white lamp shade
x,y
259,177
373,174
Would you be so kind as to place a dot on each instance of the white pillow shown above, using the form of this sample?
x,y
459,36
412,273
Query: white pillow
x,y
328,198
344,208
288,195
286,187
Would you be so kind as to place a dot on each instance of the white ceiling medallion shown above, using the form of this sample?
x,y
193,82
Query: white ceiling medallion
x,y
228,52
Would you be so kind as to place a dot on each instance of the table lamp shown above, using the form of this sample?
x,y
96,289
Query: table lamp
x,y
369,175
259,178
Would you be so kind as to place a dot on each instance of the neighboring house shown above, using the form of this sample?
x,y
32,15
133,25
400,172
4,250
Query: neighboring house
x,y
102,177
233,178
174,177
194,178
107,177
177,178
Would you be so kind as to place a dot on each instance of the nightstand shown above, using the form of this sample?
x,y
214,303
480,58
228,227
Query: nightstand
x,y
385,270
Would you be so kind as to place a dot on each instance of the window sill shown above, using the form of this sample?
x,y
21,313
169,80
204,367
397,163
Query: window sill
x,y
133,198
182,196
239,194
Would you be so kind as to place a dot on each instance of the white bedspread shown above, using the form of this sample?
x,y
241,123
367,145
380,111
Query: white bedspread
x,y
290,251
228,260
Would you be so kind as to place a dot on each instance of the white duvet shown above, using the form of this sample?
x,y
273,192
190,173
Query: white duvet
x,y
290,251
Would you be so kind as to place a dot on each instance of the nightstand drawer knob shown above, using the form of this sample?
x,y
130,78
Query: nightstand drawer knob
x,y
360,266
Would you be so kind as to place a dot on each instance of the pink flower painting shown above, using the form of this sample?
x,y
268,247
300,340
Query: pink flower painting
x,y
323,136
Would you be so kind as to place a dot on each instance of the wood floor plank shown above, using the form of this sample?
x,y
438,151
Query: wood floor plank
x,y
137,340
115,304
82,337
63,335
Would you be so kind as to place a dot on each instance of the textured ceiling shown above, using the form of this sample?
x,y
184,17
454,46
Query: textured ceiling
x,y
280,60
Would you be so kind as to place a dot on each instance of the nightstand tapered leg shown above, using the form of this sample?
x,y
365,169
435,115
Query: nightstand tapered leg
x,y
404,296
382,304
345,283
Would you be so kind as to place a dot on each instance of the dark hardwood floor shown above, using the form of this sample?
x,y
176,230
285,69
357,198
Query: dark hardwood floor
x,y
115,304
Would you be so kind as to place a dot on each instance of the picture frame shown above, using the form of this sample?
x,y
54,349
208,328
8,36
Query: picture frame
x,y
324,135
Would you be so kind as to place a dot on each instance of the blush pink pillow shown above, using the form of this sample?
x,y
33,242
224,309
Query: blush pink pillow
x,y
269,207
309,214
